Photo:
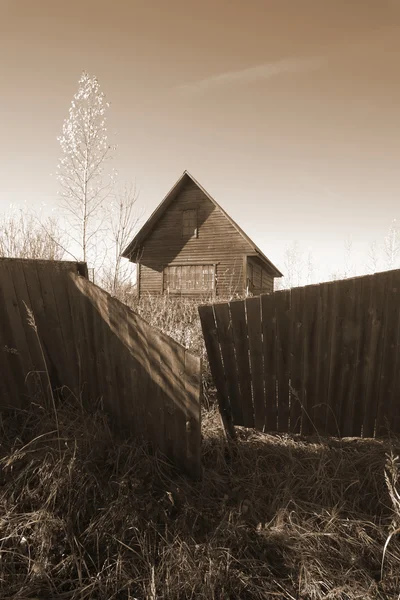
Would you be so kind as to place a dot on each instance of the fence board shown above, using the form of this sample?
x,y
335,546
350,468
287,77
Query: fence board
x,y
320,404
36,381
216,365
15,343
296,366
141,385
253,313
386,392
10,362
268,304
393,410
335,372
330,329
351,409
76,301
223,323
375,350
283,335
193,370
54,339
310,354
241,341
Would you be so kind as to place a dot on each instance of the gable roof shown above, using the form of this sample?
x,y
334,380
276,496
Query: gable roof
x,y
132,249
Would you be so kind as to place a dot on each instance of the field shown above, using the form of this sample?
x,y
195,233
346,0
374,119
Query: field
x,y
85,515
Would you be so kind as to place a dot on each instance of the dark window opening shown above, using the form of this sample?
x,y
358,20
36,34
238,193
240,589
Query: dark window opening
x,y
190,223
189,279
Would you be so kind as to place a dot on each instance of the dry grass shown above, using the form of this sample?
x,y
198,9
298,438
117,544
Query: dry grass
x,y
88,516
275,517
179,318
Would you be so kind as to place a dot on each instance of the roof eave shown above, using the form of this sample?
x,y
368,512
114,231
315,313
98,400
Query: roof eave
x,y
274,270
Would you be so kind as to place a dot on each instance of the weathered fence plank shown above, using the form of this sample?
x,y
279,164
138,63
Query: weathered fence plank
x,y
283,335
350,394
294,370
15,344
268,305
241,341
224,325
336,362
209,328
253,313
375,352
386,393
310,354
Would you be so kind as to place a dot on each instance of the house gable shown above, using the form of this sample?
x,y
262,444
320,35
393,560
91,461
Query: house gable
x,y
190,228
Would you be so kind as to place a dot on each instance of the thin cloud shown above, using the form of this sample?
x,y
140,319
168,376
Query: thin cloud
x,y
260,72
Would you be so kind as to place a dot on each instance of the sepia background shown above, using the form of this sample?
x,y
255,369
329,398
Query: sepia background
x,y
286,112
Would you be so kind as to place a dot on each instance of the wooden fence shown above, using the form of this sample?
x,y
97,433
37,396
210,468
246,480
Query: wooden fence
x,y
97,348
317,359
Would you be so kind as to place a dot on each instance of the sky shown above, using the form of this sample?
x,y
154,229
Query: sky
x,y
286,111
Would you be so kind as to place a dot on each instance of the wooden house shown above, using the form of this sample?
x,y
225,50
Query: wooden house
x,y
191,246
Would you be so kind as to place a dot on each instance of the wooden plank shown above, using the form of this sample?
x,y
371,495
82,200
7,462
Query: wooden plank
x,y
118,358
335,367
283,335
15,347
268,305
225,337
374,347
394,388
36,301
295,359
350,390
160,435
211,341
354,423
10,362
140,369
50,330
386,396
310,360
323,346
74,283
253,313
59,280
36,379
193,385
241,341
102,354
172,391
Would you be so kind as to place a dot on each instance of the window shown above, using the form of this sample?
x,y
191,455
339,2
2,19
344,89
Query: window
x,y
189,279
190,223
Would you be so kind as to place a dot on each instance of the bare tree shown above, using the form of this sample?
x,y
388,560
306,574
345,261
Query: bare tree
x,y
349,266
294,266
124,218
310,268
392,246
85,152
372,264
23,236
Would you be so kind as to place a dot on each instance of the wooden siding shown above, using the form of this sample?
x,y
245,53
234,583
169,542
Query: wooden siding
x,y
261,282
218,243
